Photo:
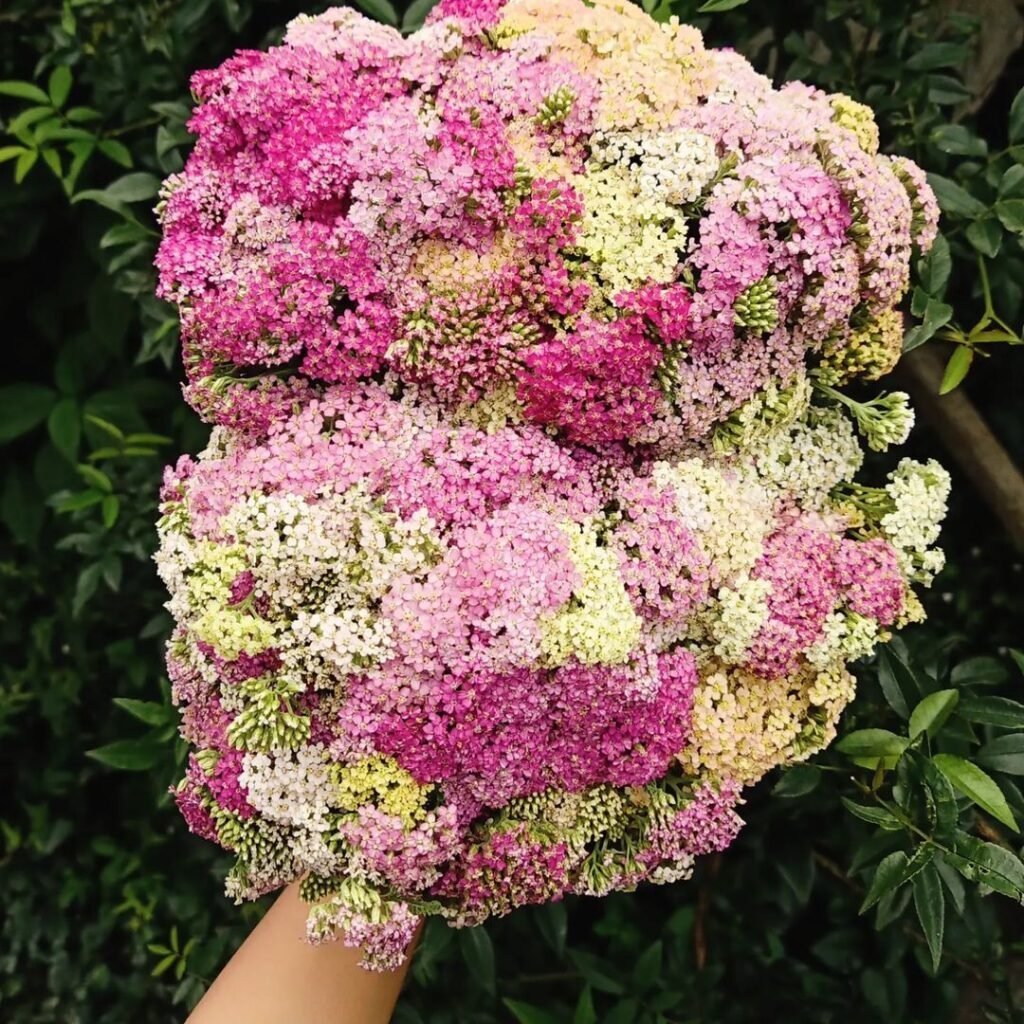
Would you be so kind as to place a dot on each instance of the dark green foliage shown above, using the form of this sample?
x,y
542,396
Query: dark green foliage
x,y
111,912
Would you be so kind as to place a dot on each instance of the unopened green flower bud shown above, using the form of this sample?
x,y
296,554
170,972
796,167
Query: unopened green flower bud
x,y
757,308
555,108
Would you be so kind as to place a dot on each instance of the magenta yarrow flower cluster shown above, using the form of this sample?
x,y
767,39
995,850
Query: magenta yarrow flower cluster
x,y
527,535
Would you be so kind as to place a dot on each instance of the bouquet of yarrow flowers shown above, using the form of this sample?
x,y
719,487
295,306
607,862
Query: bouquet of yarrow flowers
x,y
529,532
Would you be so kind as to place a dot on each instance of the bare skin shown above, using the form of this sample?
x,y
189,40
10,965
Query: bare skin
x,y
278,978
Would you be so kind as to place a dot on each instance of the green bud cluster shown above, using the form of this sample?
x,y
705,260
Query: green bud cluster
x,y
883,422
757,308
770,410
315,888
555,108
267,721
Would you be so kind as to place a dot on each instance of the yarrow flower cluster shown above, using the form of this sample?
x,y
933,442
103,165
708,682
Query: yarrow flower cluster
x,y
527,534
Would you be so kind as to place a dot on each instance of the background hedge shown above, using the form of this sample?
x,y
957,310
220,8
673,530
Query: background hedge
x,y
112,912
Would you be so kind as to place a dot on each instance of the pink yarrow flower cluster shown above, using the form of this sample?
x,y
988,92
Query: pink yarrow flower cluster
x,y
527,534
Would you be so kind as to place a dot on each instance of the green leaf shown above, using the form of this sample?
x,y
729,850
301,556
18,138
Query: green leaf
x,y
930,904
381,10
52,160
797,781
20,508
416,14
931,713
123,234
1011,214
133,188
954,886
899,685
869,747
648,967
24,91
85,586
553,923
623,1012
164,964
585,1012
938,55
988,864
1004,754
65,427
1011,185
478,953
873,815
22,408
986,235
888,877
82,151
980,671
922,856
958,140
954,199
110,508
1001,711
106,426
710,6
59,85
975,784
956,369
28,117
933,269
76,502
79,115
128,755
945,90
96,477
943,813
146,711
1016,123
24,164
596,972
116,151
936,314
154,439
527,1013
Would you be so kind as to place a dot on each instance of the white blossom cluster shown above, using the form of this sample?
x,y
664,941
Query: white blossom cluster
x,y
730,513
818,452
919,493
633,226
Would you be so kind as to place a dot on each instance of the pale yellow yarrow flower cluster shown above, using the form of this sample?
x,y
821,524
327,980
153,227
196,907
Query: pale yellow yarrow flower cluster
x,y
599,625
379,781
647,72
207,595
745,725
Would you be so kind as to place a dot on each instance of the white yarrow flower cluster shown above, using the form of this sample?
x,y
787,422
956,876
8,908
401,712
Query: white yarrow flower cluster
x,y
728,511
818,452
290,787
846,637
919,493
674,166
